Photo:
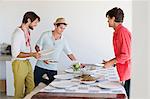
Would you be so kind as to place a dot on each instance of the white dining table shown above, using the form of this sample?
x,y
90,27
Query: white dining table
x,y
108,76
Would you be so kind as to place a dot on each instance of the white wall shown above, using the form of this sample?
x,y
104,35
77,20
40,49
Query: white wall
x,y
148,49
140,87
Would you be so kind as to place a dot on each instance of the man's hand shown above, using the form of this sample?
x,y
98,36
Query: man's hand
x,y
82,65
108,64
36,55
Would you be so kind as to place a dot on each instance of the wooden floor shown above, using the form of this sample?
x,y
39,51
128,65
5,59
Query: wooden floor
x,y
3,96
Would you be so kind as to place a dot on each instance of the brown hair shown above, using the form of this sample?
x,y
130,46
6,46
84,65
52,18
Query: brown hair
x,y
30,15
117,13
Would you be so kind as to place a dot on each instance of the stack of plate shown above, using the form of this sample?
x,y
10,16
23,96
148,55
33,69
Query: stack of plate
x,y
64,76
45,54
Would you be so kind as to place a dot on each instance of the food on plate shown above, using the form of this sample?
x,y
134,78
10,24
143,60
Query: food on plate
x,y
76,66
86,77
93,68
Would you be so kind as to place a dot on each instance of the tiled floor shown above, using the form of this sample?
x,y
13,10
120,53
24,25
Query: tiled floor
x,y
3,96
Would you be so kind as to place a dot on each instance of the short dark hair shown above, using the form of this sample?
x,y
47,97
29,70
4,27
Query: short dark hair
x,y
31,15
117,13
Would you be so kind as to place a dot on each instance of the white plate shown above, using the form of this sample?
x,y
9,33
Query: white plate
x,y
52,62
64,76
98,64
70,70
63,84
98,76
49,60
109,85
88,82
46,52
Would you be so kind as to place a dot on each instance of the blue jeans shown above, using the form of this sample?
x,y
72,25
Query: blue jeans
x,y
38,75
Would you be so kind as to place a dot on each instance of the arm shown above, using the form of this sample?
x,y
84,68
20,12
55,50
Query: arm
x,y
72,57
125,47
68,51
31,54
16,43
110,63
40,42
37,48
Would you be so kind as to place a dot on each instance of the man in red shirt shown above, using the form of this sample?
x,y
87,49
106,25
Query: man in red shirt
x,y
122,47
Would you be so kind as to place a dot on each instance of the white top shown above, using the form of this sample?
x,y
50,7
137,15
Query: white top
x,y
18,44
47,41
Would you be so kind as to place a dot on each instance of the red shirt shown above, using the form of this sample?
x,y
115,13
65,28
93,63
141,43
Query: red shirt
x,y
122,49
